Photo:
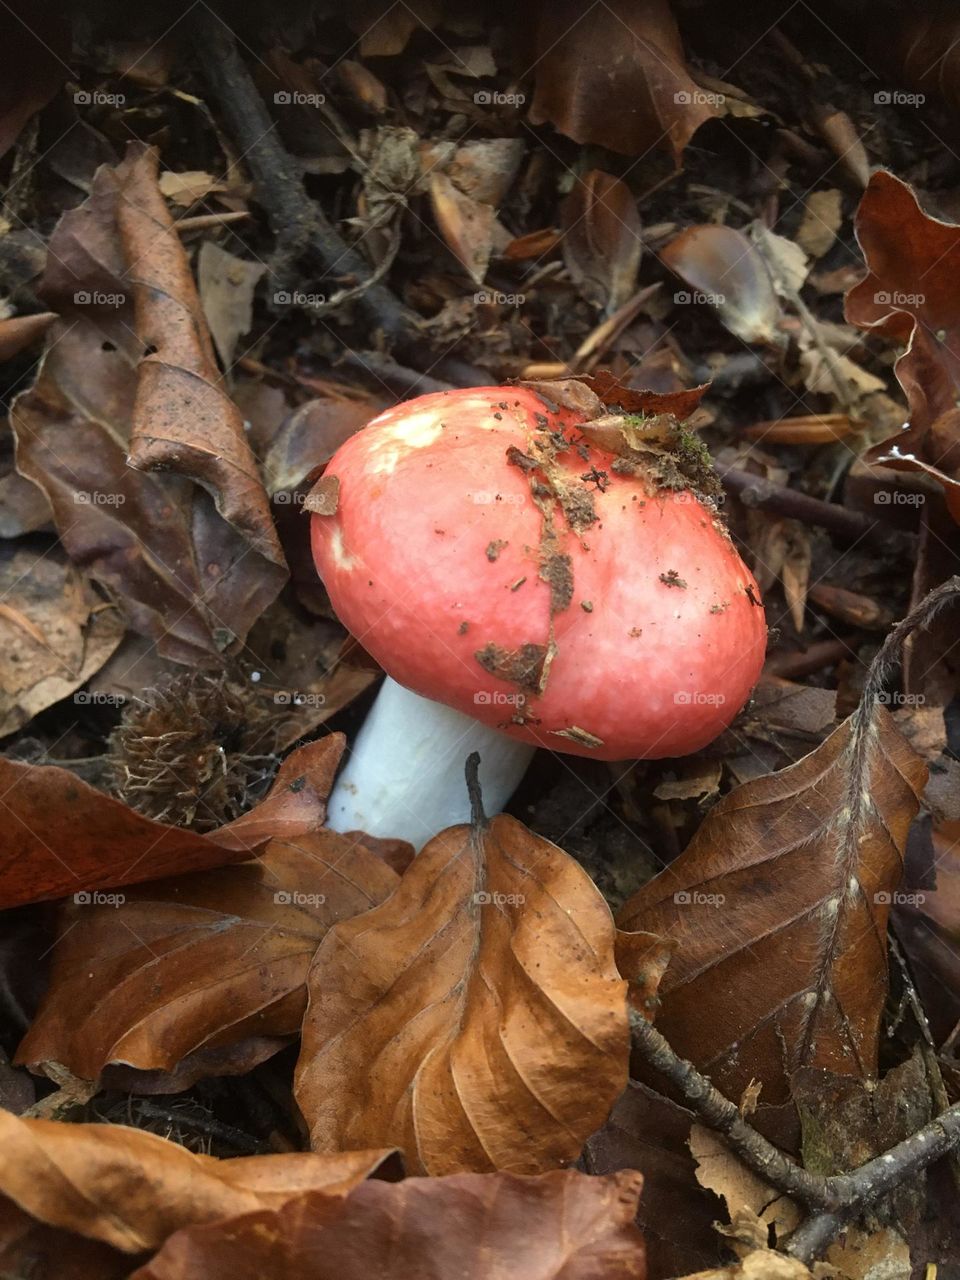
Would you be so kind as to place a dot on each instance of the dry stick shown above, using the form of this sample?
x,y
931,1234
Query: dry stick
x,y
754,491
299,225
840,1194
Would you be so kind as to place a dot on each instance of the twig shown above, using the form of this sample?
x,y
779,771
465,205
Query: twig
x,y
754,491
840,1195
299,225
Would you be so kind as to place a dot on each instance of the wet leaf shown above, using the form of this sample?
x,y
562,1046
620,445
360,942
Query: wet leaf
x,y
779,907
601,244
725,270
462,1016
192,569
131,1190
619,80
63,837
199,962
908,297
559,1226
55,633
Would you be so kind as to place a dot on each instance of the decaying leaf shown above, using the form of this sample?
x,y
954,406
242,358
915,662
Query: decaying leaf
x,y
201,962
724,269
601,243
55,633
192,554
63,837
226,285
462,1016
619,79
908,296
131,1190
719,1170
558,1226
779,905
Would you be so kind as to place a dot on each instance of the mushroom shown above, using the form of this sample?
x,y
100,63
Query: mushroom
x,y
530,570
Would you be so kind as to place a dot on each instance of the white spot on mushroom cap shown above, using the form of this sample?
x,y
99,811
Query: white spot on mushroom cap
x,y
341,557
417,429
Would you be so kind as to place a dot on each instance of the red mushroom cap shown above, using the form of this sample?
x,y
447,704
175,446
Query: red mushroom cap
x,y
492,558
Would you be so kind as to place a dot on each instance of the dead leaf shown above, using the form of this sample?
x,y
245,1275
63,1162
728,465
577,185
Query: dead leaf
x,y
63,837
719,1170
814,428
188,577
602,243
908,297
463,1015
55,633
725,270
779,905
558,1226
467,225
200,962
19,332
822,217
186,189
619,80
226,285
131,1189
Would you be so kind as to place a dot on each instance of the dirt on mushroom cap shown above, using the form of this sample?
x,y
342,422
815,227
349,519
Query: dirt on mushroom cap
x,y
425,492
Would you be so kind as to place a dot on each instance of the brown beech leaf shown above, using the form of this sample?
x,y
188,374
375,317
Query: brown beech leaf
x,y
131,1189
779,907
200,962
617,80
63,837
601,243
460,1019
908,296
55,632
558,1226
191,554
724,269
467,225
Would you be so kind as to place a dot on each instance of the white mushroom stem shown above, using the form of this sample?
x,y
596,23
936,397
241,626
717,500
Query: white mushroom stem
x,y
405,774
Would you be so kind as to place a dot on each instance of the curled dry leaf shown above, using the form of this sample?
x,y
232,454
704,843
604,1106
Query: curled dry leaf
x,y
131,1190
55,633
601,243
726,270
558,1226
619,80
201,962
63,837
460,1019
779,907
195,560
908,296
